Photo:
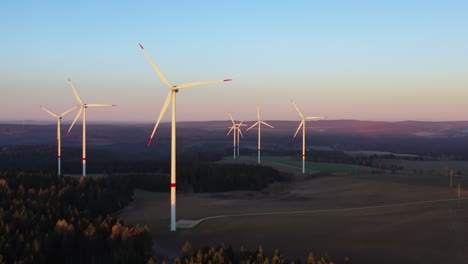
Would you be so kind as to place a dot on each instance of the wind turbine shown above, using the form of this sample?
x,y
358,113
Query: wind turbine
x,y
83,108
236,134
59,141
259,123
302,124
171,98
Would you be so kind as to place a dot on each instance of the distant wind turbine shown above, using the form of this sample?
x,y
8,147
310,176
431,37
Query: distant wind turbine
x,y
59,141
83,108
171,98
303,125
235,128
259,124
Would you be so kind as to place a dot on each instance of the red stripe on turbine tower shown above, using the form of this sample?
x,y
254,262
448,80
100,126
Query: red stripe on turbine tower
x,y
303,155
173,185
149,141
83,159
58,156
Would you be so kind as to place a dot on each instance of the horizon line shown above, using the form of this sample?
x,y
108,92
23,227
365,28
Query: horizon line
x,y
46,122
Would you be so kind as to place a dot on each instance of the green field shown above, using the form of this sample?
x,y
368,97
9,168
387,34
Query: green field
x,y
316,166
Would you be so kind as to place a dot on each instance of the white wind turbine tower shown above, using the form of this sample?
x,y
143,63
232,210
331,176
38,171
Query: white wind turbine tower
x,y
259,123
237,133
83,108
303,125
59,141
233,128
171,98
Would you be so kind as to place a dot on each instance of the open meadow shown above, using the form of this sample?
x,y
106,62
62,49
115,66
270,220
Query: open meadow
x,y
410,216
311,167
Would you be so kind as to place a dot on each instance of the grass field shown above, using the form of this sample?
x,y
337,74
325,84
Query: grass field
x,y
310,166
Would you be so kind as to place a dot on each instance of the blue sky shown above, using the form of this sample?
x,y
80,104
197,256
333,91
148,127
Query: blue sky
x,y
368,60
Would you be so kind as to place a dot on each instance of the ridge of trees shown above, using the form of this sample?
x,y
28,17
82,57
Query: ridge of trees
x,y
223,254
212,177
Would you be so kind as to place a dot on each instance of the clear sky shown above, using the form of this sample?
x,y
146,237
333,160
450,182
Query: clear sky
x,y
367,60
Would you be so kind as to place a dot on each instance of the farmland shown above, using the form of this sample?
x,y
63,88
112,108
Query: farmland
x,y
374,218
315,166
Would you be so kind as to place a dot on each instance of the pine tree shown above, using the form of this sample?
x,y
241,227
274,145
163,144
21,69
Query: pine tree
x,y
260,257
311,258
151,261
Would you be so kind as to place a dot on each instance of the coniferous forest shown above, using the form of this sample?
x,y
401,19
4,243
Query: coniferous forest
x,y
47,219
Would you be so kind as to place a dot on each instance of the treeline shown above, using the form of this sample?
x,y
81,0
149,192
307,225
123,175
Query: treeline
x,y
212,177
338,156
43,157
435,147
27,156
47,219
222,254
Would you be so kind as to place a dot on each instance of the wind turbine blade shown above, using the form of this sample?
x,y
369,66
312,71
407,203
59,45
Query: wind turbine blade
x,y
74,121
315,117
240,132
232,120
187,85
50,113
266,124
161,114
74,91
252,126
230,130
161,75
298,128
295,106
68,111
99,105
258,113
